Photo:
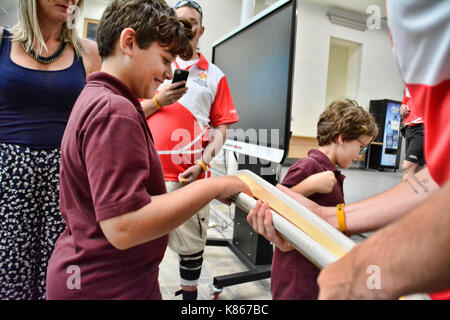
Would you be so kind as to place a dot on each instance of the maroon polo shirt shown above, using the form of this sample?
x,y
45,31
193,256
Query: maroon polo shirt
x,y
109,167
294,277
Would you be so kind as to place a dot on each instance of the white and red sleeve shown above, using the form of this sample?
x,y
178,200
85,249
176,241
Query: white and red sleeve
x,y
421,43
223,110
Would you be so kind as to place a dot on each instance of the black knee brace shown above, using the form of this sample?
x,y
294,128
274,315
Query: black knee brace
x,y
190,268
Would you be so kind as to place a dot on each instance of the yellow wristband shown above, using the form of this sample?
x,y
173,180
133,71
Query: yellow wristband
x,y
156,103
341,219
202,164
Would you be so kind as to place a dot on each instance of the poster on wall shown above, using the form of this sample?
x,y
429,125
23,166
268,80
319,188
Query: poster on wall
x,y
391,135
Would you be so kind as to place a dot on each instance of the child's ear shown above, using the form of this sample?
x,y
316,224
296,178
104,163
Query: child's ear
x,y
126,41
340,139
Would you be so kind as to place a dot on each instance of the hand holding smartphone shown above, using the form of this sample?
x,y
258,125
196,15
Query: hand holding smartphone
x,y
170,93
180,75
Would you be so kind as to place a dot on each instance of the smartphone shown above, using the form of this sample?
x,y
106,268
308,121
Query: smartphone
x,y
180,75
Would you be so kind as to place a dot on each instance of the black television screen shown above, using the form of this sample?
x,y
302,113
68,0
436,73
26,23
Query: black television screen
x,y
258,61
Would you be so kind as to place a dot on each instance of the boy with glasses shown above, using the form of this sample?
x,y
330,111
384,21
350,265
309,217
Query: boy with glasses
x,y
344,131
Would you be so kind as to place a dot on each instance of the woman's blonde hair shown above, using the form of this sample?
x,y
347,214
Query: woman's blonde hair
x,y
29,32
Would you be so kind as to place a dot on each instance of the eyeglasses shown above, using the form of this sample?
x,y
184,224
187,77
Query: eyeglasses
x,y
189,3
363,149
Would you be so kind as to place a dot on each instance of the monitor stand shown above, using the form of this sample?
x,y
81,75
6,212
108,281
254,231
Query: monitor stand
x,y
253,250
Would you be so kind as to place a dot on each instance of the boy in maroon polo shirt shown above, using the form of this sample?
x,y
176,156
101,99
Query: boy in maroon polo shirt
x,y
344,131
112,193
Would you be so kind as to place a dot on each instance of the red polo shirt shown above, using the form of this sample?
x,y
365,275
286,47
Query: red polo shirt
x,y
182,129
109,167
294,277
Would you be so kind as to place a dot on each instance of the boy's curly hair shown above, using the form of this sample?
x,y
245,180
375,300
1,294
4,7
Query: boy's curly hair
x,y
153,20
347,118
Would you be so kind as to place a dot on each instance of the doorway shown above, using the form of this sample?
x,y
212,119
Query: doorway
x,y
344,68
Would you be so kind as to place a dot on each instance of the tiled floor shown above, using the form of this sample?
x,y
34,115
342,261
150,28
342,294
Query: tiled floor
x,y
218,261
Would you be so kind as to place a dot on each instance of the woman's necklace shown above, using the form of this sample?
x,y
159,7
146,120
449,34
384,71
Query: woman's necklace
x,y
46,60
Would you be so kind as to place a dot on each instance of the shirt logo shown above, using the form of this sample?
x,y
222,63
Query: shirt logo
x,y
202,79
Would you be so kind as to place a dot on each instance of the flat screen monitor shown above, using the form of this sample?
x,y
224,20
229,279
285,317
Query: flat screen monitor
x,y
258,62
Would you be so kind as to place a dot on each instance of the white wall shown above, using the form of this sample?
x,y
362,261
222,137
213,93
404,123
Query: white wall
x,y
9,12
379,76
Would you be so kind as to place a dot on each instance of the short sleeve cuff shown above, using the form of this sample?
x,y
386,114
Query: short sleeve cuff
x,y
127,205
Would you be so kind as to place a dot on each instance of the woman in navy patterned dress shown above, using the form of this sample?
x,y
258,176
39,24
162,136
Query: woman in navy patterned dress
x,y
43,67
